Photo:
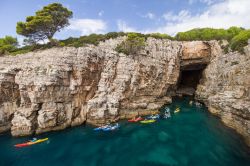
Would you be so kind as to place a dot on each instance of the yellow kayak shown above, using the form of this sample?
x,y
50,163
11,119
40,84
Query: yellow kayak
x,y
38,141
148,121
177,110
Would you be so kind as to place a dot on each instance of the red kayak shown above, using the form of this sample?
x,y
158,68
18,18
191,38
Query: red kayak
x,y
135,120
23,144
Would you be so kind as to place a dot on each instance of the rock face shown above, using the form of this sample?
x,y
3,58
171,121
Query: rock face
x,y
225,88
9,98
62,87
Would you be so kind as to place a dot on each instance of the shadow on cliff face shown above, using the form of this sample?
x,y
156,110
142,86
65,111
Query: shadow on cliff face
x,y
189,78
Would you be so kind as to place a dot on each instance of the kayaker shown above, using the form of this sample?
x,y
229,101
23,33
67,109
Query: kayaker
x,y
167,114
33,140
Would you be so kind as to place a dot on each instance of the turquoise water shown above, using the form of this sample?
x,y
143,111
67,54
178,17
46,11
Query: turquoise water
x,y
191,137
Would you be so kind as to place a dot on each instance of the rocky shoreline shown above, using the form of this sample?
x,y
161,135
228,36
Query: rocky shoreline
x,y
62,87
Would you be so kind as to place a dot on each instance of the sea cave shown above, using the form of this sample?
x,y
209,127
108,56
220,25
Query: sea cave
x,y
189,77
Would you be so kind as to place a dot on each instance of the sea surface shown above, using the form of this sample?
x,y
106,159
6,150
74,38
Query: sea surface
x,y
192,137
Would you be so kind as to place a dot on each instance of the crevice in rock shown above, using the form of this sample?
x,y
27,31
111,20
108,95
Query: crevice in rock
x,y
35,120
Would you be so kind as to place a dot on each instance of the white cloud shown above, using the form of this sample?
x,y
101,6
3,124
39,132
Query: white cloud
x,y
149,15
219,15
208,2
182,15
88,26
122,26
100,13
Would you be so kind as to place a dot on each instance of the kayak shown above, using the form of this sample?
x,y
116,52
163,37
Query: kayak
x,y
148,121
40,140
177,110
101,128
135,120
111,128
107,127
157,116
31,143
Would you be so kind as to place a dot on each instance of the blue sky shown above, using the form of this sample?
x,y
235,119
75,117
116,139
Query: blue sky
x,y
146,16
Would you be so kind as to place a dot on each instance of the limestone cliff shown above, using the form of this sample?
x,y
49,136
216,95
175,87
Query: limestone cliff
x,y
225,88
62,87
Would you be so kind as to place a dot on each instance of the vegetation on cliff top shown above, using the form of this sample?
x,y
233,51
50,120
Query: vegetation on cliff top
x,y
237,38
209,34
133,44
239,41
54,17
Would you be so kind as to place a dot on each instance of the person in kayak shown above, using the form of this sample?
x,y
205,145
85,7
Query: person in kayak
x,y
167,114
33,140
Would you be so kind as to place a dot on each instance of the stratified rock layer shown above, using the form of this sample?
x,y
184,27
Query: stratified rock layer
x,y
225,88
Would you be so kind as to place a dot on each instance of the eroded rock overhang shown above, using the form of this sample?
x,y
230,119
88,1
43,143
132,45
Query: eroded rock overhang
x,y
195,56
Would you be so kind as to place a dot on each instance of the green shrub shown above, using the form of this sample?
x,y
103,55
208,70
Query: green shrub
x,y
233,31
21,51
160,36
134,43
8,44
240,41
61,44
112,35
30,48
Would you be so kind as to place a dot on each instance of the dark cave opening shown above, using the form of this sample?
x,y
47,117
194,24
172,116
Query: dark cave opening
x,y
189,78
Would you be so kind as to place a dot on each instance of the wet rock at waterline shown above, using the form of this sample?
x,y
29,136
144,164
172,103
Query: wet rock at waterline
x,y
62,87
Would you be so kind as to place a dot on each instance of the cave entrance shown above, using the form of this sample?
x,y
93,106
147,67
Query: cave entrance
x,y
189,78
